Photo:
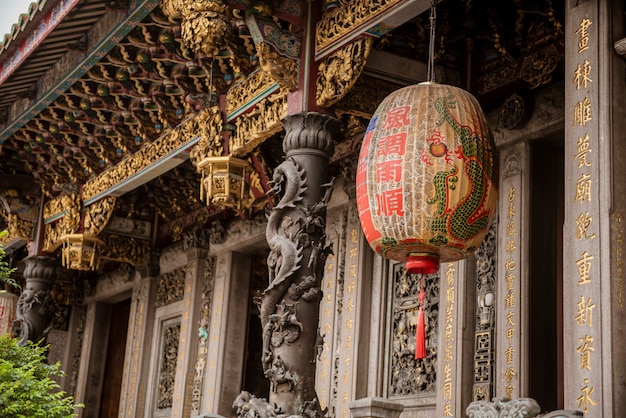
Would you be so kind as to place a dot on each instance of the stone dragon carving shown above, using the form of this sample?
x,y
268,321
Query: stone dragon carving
x,y
285,253
289,175
289,306
32,319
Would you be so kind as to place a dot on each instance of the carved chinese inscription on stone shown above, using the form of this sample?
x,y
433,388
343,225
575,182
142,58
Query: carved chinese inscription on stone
x,y
167,369
409,376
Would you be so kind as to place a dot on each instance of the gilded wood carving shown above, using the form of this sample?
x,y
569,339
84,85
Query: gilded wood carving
x,y
339,72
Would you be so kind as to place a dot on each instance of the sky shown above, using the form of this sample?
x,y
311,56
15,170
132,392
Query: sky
x,y
10,11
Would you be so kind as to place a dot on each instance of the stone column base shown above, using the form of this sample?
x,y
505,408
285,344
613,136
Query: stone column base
x,y
375,407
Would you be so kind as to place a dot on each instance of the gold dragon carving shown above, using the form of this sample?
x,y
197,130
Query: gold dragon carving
x,y
338,73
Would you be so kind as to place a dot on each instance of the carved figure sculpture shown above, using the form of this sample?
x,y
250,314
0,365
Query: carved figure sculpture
x,y
279,374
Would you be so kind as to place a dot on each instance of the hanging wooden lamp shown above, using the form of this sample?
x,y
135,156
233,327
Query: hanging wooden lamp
x,y
427,178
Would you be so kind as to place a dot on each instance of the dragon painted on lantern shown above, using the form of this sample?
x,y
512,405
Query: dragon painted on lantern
x,y
478,167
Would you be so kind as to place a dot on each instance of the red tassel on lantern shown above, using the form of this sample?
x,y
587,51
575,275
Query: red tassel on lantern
x,y
420,329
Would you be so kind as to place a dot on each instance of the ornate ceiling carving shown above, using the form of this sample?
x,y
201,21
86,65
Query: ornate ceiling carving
x,y
155,92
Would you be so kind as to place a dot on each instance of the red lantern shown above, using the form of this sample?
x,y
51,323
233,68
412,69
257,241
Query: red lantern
x,y
426,177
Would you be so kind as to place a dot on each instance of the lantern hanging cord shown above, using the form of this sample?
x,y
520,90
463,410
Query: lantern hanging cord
x,y
431,44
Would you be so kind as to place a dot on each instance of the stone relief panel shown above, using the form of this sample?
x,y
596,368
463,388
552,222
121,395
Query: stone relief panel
x,y
81,315
240,231
208,281
407,375
485,316
512,165
167,367
543,112
171,287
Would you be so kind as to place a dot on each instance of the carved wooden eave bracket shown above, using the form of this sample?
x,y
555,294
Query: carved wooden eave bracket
x,y
61,217
68,224
207,126
254,107
339,72
278,51
18,230
19,208
351,20
81,231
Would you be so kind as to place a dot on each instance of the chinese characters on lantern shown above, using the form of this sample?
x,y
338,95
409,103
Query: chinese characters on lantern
x,y
583,227
390,151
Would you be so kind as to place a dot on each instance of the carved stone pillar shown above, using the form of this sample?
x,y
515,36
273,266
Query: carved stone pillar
x,y
295,234
32,313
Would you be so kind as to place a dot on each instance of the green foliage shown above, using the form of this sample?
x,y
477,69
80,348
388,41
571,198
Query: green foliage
x,y
5,270
26,385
